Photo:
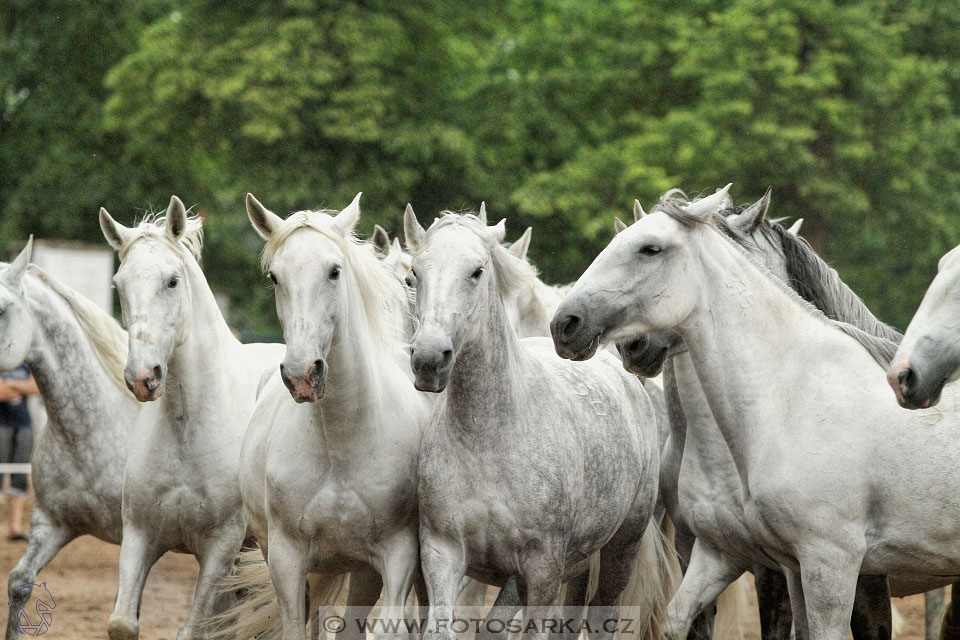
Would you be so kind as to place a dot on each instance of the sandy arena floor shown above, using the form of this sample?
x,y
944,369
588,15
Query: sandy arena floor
x,y
83,577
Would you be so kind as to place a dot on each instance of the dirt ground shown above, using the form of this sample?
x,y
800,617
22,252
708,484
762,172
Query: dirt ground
x,y
83,579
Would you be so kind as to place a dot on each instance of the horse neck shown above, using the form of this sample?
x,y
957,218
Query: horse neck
x,y
357,370
486,379
743,314
74,386
205,360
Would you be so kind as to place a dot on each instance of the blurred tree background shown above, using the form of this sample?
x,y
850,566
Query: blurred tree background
x,y
556,112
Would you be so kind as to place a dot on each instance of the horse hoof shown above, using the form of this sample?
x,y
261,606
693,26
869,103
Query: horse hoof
x,y
122,629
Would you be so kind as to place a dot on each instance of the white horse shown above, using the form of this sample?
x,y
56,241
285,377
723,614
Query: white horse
x,y
567,454
531,307
929,356
180,488
392,254
699,483
329,477
837,479
76,353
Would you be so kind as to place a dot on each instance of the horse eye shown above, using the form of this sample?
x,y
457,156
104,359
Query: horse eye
x,y
410,281
334,273
476,274
650,250
173,282
272,277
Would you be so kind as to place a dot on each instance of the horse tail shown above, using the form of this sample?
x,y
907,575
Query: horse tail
x,y
256,614
654,580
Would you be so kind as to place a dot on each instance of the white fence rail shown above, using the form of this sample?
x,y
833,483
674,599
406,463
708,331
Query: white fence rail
x,y
23,467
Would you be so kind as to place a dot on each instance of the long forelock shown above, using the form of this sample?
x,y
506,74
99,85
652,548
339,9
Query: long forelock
x,y
512,273
385,299
154,226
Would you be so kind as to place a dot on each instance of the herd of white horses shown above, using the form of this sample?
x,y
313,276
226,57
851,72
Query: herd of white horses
x,y
417,438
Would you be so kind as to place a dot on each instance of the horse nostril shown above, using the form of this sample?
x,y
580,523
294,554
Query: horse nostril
x,y
634,347
906,378
447,356
570,325
157,373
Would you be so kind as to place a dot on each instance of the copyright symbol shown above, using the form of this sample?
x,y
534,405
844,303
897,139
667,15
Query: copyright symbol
x,y
334,624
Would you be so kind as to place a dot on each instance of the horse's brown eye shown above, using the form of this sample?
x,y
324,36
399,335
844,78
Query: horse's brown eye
x,y
476,274
173,282
272,277
334,273
651,250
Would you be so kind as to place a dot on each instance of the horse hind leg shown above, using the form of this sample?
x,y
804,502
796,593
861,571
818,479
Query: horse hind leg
x,y
773,600
871,619
46,540
950,625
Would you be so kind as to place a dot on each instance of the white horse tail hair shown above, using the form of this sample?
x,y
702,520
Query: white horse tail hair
x,y
257,614
655,579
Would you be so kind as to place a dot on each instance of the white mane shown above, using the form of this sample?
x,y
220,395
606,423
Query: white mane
x,y
106,336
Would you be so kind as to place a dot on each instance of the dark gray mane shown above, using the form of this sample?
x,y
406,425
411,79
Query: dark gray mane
x,y
821,286
812,283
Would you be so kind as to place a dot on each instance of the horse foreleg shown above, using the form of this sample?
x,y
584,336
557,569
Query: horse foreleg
x,y
362,594
798,606
138,554
289,563
933,612
871,619
46,540
707,576
444,565
950,623
401,563
540,582
504,608
773,600
828,575
216,563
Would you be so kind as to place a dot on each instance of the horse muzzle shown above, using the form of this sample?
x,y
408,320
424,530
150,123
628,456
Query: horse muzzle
x,y
913,389
432,361
307,386
572,338
641,360
145,382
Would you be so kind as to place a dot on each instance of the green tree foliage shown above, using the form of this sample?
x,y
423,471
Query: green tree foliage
x,y
556,112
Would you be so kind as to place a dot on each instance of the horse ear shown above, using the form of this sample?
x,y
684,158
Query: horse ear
x,y
176,220
638,211
412,231
395,246
753,216
619,225
499,231
704,208
381,239
346,220
522,245
795,227
483,212
13,274
262,219
115,233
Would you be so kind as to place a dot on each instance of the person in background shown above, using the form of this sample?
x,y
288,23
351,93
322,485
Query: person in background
x,y
16,438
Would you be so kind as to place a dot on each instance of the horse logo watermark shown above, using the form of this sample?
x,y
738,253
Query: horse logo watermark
x,y
36,620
